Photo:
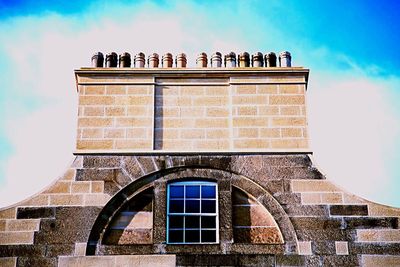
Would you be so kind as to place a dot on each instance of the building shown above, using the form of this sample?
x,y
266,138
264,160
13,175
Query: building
x,y
195,167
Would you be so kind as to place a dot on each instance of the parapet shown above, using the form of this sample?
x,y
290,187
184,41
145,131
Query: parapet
x,y
244,103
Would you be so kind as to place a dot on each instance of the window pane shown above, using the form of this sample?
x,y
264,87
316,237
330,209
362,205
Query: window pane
x,y
193,191
208,236
208,206
192,206
192,221
176,206
207,191
175,221
176,191
208,222
175,236
192,236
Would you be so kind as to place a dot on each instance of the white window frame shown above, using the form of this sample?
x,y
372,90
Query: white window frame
x,y
191,183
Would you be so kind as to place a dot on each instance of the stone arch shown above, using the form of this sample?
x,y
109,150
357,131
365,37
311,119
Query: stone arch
x,y
226,179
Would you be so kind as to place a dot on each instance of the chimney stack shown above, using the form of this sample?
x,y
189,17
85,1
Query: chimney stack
x,y
153,60
216,60
201,60
167,60
97,60
111,60
270,59
181,60
139,60
257,59
244,60
230,60
285,59
125,60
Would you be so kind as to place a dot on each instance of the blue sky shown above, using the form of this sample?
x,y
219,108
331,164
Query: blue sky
x,y
351,48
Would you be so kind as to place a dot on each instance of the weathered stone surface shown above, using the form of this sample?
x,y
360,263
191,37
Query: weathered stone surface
x,y
290,260
132,167
342,248
8,213
8,262
339,260
326,234
225,260
10,238
324,247
35,213
258,235
22,250
380,260
378,235
369,223
127,236
348,210
57,250
37,261
63,230
374,248
96,174
255,215
306,210
102,161
316,223
305,248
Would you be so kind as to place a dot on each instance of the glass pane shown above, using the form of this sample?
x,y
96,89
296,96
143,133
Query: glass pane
x,y
208,222
208,206
176,206
208,191
208,236
192,236
192,221
175,236
193,191
176,191
175,221
192,206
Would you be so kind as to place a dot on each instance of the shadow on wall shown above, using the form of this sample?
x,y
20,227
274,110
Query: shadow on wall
x,y
252,223
134,224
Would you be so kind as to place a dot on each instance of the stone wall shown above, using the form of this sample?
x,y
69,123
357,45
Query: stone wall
x,y
185,110
320,223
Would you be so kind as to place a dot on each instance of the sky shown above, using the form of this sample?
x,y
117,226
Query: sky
x,y
350,47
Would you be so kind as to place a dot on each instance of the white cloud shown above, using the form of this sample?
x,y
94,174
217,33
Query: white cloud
x,y
353,129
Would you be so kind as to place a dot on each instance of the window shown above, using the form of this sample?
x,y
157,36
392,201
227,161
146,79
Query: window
x,y
192,212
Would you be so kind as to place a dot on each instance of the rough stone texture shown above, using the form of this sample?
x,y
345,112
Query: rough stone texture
x,y
314,234
118,261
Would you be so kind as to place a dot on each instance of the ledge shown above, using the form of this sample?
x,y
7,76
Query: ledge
x,y
179,153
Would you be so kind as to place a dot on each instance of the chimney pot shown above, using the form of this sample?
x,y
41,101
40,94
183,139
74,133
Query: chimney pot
x,y
153,60
111,60
230,60
201,60
139,60
244,60
257,59
167,60
270,59
285,59
97,60
125,60
181,60
216,60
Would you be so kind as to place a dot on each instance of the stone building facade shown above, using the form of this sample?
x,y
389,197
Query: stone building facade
x,y
195,167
